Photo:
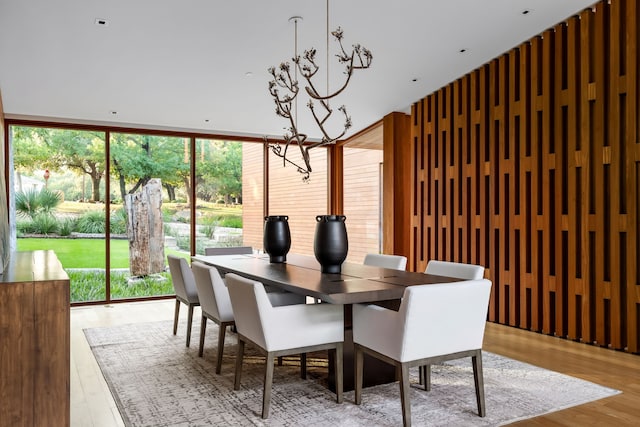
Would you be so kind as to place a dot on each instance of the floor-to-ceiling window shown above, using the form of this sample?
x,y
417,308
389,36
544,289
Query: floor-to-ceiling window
x,y
212,194
59,190
141,164
219,194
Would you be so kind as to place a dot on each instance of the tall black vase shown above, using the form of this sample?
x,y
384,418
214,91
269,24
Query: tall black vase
x,y
277,237
330,244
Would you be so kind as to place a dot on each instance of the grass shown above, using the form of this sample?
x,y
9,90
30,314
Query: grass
x,y
89,285
84,261
81,253
85,253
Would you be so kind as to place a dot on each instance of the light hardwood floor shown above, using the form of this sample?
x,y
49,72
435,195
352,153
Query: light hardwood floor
x,y
92,404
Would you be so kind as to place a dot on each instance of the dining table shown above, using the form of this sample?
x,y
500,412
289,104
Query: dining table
x,y
355,284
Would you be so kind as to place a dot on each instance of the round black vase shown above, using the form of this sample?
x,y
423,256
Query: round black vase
x,y
277,237
330,244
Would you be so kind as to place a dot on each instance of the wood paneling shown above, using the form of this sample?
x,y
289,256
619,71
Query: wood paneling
x,y
35,351
530,166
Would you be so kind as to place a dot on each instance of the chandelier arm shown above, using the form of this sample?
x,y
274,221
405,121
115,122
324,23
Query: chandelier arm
x,y
336,93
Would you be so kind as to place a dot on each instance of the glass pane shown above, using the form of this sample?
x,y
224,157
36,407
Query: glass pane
x,y
59,193
150,211
301,201
362,201
219,194
252,194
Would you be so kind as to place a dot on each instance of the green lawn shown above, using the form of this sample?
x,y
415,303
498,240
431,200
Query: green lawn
x,y
89,285
84,253
81,253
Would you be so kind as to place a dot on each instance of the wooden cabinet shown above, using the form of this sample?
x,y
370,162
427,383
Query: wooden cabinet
x,y
34,341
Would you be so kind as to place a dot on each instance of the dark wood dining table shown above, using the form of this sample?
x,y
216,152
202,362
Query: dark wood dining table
x,y
356,283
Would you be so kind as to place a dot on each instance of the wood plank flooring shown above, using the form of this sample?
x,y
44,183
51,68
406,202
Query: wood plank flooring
x,y
93,405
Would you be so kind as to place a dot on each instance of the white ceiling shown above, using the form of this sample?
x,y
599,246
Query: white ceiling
x,y
183,64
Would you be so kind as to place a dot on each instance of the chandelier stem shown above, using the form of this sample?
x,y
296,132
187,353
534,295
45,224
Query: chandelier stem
x,y
328,32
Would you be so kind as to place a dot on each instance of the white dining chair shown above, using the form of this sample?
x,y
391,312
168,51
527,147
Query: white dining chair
x,y
434,323
215,305
455,269
458,270
396,262
282,331
185,288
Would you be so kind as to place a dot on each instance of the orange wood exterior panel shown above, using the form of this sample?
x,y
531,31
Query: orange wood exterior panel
x,y
530,165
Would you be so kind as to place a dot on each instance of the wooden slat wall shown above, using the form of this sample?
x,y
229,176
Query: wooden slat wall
x,y
530,166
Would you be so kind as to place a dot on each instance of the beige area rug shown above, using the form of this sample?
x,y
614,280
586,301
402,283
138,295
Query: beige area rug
x,y
157,381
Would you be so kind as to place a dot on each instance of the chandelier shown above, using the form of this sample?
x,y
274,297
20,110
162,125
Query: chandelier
x,y
285,89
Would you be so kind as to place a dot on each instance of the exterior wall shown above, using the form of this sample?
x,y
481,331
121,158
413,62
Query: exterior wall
x,y
362,201
252,195
529,166
288,195
301,201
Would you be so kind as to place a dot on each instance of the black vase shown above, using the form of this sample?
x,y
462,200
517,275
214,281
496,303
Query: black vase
x,y
277,237
330,245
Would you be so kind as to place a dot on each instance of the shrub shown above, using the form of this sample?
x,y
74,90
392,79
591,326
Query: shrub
x,y
91,222
66,226
25,226
231,222
45,224
183,242
32,202
118,223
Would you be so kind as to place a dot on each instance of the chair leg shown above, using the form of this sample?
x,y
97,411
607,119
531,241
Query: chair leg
x,y
404,395
339,372
478,379
221,334
268,380
175,317
239,356
425,376
358,358
303,366
203,330
189,322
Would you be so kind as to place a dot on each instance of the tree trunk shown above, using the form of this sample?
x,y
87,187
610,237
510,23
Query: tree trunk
x,y
96,187
187,184
145,230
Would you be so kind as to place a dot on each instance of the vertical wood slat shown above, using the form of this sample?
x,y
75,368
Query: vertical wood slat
x,y
531,167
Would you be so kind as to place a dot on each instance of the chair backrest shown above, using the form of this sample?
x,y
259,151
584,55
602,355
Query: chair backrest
x,y
212,292
250,304
232,250
397,262
443,318
182,278
455,269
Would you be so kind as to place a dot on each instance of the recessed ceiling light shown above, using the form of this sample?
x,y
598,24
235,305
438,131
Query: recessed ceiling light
x,y
415,79
206,120
463,50
113,112
526,11
248,74
101,22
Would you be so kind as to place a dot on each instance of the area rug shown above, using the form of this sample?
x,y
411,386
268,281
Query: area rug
x,y
157,381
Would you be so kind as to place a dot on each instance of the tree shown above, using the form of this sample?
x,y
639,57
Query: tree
x,y
220,171
135,159
47,148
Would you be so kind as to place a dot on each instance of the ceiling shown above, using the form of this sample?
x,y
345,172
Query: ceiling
x,y
201,65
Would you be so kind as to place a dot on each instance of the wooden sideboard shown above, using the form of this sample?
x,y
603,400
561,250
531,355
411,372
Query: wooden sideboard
x,y
34,341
